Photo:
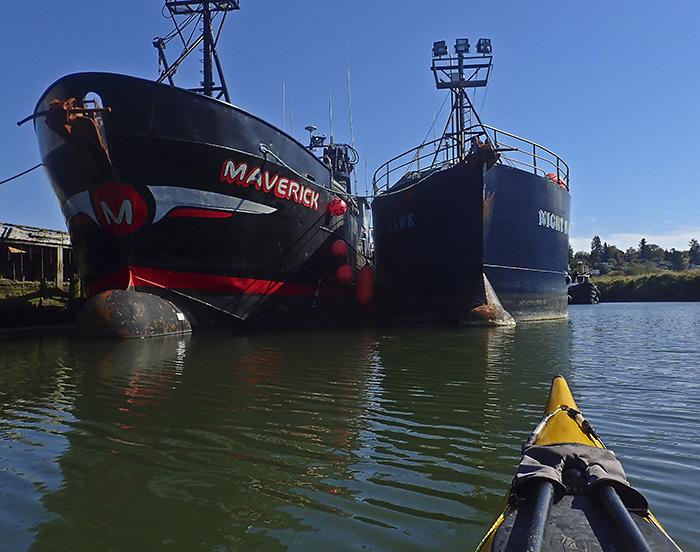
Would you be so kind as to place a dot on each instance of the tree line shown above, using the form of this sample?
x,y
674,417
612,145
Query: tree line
x,y
645,258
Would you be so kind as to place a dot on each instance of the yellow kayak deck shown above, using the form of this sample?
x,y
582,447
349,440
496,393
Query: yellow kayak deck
x,y
563,424
560,426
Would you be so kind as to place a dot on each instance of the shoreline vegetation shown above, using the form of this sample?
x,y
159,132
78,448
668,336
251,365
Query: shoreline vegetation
x,y
654,287
644,273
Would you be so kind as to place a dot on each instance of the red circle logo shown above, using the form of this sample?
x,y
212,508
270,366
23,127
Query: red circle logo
x,y
120,209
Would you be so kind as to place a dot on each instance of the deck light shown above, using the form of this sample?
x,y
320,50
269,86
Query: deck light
x,y
462,46
439,48
311,129
318,141
315,140
484,46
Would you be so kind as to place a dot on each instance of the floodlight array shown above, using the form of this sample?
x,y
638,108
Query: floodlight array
x,y
461,47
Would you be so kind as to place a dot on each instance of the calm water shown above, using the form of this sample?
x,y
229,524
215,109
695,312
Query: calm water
x,y
391,439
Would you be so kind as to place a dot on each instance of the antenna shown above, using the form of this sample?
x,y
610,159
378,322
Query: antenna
x,y
284,108
330,115
366,180
352,132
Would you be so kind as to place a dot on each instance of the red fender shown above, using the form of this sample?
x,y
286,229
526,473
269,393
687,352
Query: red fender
x,y
365,286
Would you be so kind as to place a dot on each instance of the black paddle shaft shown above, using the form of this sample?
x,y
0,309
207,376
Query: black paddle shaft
x,y
542,502
627,528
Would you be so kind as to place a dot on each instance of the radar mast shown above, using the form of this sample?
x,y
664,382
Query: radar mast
x,y
458,73
196,12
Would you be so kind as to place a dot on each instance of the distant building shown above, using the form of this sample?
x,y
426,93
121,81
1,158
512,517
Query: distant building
x,y
35,254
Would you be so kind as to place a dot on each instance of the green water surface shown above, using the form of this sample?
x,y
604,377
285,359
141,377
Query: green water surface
x,y
377,439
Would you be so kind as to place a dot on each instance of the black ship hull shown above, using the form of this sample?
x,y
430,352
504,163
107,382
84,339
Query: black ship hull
x,y
193,199
428,246
526,242
466,222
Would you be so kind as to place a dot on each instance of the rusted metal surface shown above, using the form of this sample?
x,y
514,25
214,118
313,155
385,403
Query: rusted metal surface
x,y
490,312
130,314
83,129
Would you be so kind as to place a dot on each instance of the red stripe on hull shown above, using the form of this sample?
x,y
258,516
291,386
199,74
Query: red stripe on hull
x,y
141,277
195,212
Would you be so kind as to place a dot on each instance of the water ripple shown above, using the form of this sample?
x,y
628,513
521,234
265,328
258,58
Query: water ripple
x,y
402,439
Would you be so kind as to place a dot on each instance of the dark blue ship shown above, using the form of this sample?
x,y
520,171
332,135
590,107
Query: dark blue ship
x,y
199,211
472,227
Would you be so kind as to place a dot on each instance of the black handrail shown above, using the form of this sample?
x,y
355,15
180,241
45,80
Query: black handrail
x,y
522,152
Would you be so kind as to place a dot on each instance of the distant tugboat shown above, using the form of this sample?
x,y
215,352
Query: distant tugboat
x,y
471,227
583,292
185,208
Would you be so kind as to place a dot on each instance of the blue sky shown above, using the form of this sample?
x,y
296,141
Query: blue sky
x,y
610,86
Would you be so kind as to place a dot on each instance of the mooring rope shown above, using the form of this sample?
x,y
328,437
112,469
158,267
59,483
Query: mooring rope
x,y
21,174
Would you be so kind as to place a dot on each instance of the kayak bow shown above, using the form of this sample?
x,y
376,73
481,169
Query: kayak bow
x,y
571,493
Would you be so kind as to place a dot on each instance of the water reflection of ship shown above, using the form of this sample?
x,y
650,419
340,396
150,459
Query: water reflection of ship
x,y
521,362
453,408
254,441
37,389
210,441
515,358
57,382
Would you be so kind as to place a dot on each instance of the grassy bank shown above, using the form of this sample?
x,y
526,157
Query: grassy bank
x,y
658,286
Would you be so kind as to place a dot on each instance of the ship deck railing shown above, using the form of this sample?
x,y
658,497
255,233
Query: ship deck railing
x,y
443,152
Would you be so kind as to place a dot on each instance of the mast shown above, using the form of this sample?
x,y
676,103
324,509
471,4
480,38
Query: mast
x,y
449,72
208,83
196,12
460,106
